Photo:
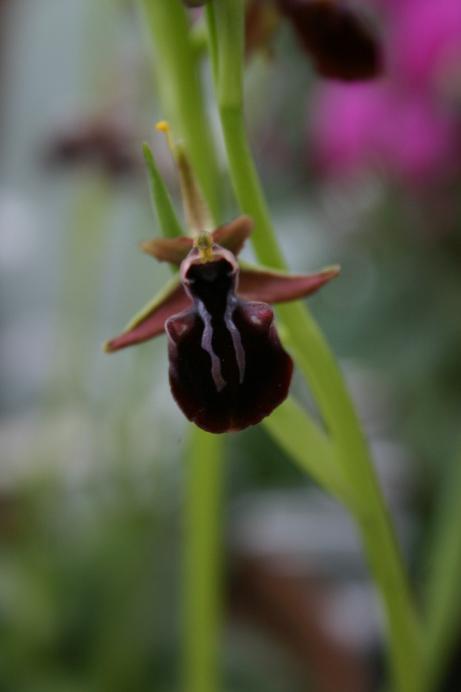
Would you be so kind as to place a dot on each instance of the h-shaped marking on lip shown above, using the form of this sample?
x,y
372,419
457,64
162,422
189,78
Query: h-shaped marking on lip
x,y
207,345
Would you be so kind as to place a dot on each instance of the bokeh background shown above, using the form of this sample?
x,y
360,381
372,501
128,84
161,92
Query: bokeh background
x,y
92,467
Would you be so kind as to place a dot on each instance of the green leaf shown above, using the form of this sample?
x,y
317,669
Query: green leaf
x,y
443,608
161,201
309,447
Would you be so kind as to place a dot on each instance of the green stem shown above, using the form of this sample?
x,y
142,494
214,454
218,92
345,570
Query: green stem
x,y
444,569
177,68
319,367
247,186
182,96
202,562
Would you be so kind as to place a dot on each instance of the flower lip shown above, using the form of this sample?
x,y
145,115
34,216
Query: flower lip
x,y
228,369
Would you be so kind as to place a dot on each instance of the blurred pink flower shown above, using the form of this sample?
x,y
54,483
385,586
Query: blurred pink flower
x,y
375,126
425,41
405,125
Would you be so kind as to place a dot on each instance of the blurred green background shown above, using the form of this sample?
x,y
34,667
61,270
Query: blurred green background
x,y
92,472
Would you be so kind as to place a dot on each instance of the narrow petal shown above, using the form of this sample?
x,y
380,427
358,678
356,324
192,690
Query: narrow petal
x,y
233,235
150,321
274,287
172,250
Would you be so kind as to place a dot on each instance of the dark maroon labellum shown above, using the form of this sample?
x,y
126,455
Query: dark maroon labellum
x,y
337,37
228,369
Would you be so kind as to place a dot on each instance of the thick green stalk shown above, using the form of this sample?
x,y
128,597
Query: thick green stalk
x,y
202,563
444,568
182,97
177,69
319,367
318,364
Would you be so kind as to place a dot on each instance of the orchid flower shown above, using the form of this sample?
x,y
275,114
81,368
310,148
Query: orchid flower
x,y
228,369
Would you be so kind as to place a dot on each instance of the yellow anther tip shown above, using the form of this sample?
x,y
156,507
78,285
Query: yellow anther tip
x,y
162,126
204,244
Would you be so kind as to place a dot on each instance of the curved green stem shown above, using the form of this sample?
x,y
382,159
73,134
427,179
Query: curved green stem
x,y
444,569
319,366
202,562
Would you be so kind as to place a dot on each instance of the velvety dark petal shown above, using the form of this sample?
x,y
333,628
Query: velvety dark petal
x,y
228,369
172,250
150,322
239,402
275,287
337,37
233,235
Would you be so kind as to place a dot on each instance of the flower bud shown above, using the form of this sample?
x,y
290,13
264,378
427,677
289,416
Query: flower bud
x,y
337,37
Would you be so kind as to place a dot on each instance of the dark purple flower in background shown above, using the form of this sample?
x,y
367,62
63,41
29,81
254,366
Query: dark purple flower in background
x,y
338,37
228,369
102,142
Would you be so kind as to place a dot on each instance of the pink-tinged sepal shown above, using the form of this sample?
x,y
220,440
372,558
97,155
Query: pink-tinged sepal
x,y
276,287
231,236
150,321
172,250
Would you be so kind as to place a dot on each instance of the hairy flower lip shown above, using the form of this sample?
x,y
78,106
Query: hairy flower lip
x,y
228,369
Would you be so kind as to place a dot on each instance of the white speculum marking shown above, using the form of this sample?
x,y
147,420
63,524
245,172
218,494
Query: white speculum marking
x,y
235,336
207,345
